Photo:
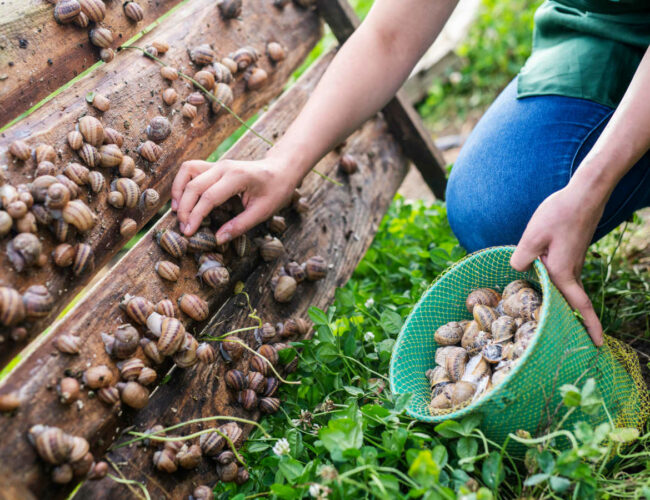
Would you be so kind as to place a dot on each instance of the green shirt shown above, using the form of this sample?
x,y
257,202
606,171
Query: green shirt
x,y
586,48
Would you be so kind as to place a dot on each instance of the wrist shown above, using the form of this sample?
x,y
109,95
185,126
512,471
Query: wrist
x,y
294,161
593,182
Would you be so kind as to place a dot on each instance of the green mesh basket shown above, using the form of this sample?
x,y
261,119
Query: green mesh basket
x,y
561,353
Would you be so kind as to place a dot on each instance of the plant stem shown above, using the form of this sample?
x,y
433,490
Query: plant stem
x,y
279,377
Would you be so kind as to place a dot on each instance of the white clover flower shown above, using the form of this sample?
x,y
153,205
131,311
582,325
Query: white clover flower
x,y
281,447
368,336
314,490
455,78
370,302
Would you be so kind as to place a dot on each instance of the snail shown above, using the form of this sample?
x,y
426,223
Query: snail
x,y
82,466
137,308
315,268
94,9
271,248
284,289
242,476
139,176
256,78
160,46
133,394
58,196
188,111
52,444
77,173
6,222
165,461
9,402
189,457
63,255
150,151
128,189
24,251
186,357
205,79
101,102
16,209
224,97
96,181
271,386
110,156
194,306
195,99
449,334
212,443
44,152
98,376
81,20
247,399
167,270
75,140
503,328
231,351
230,64
348,164
66,10
123,343
296,326
147,376
166,307
78,214
169,96
277,224
300,205
213,274
484,316
477,367
20,150
159,128
492,353
128,228
84,259
203,241
172,242
260,365
483,296
169,73
220,72
233,431
256,382
38,301
462,392
275,51
241,245
150,349
73,187
269,352
68,390
265,334
236,380
205,353
112,136
269,405
92,130
513,287
244,57
38,189
225,457
151,50
101,37
68,344
98,471
455,362
90,155
202,54
202,492
107,54
133,11
437,376
296,271
229,9
109,395
170,333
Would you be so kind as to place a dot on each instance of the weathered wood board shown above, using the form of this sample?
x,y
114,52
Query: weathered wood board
x,y
133,84
36,376
38,55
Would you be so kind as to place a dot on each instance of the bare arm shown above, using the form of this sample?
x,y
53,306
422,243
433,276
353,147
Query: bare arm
x,y
564,224
362,78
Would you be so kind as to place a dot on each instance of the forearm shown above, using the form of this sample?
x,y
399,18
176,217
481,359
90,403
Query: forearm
x,y
362,78
624,141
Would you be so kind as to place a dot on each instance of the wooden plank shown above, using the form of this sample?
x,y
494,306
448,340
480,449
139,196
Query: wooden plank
x,y
39,55
35,377
134,87
340,227
402,118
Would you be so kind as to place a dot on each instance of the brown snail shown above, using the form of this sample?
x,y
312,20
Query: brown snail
x,y
90,155
224,97
77,173
213,274
295,326
123,343
269,352
38,301
513,287
75,140
107,54
188,111
94,9
12,309
189,457
455,362
84,259
277,224
170,333
6,222
167,270
150,349
169,96
316,268
20,150
230,9
78,214
348,164
241,245
194,306
24,251
133,11
244,57
195,99
133,394
275,51
68,344
92,130
159,128
68,390
52,444
110,155
131,368
271,248
96,181
150,151
212,443
206,353
101,102
149,199
128,228
202,54
247,399
139,176
284,289
205,79
147,376
172,242
160,46
44,152
98,376
169,73
503,328
186,357
165,460
9,402
65,11
449,334
221,72
166,307
236,380
484,316
202,492
256,382
58,196
296,271
265,334
269,405
260,365
81,20
231,351
256,79
203,241
484,296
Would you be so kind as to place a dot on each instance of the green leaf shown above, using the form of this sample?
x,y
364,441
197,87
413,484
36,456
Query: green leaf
x,y
440,455
492,472
256,447
342,434
290,468
559,484
535,479
624,435
354,391
424,468
467,447
546,462
449,429
390,321
284,491
317,316
570,395
470,422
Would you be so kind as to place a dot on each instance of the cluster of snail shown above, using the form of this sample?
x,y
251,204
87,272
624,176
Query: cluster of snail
x,y
69,455
490,345
91,13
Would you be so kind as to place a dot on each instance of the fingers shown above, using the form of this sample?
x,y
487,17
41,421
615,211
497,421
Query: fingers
x,y
578,299
526,252
187,172
193,191
214,196
252,216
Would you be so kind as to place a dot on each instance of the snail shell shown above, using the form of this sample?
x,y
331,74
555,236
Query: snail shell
x,y
159,128
24,250
513,287
169,96
78,214
194,306
38,301
529,302
68,344
82,466
101,102
195,99
202,54
248,399
62,474
77,173
229,9
110,155
131,368
115,199
266,334
75,140
20,150
133,11
6,222
160,46
109,395
492,353
79,447
437,376
169,73
172,242
129,189
242,476
256,79
272,385
96,181
150,151
285,289
503,328
107,54
186,354
44,152
17,209
150,349
244,57
202,492
348,164
9,402
455,363
167,270
82,20
277,224
94,9
147,376
223,95
224,458
97,377
66,10
205,79
256,382
297,326
12,309
172,334
38,189
462,392
231,351
90,155
500,375
166,307
526,331
449,334
211,443
139,176
133,394
221,72
72,186
484,296
316,268
269,352
475,340
53,445
296,271
230,64
58,196
202,241
477,368
271,249
98,471
260,365
213,274
300,205
112,136
189,457
275,51
241,245
206,353
92,130
128,228
484,316
269,405
137,308
188,111
228,473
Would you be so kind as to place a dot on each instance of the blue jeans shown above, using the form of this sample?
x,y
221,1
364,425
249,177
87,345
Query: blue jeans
x,y
519,153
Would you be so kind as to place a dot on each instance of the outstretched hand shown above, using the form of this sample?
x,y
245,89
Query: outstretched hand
x,y
559,233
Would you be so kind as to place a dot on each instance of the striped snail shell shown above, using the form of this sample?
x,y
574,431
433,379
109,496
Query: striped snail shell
x,y
172,242
124,343
265,334
98,376
202,54
110,155
74,189
131,368
17,209
244,57
275,51
137,308
63,255
38,301
109,395
236,380
166,307
269,352
133,11
230,64
78,214
348,164
112,136
169,96
167,270
272,385
149,199
296,271
455,362
81,467
57,196
449,334
101,102
484,296
513,287
194,306
78,448
220,72
205,256
195,99
92,130
160,46
128,228
228,473
139,176
96,181
260,365
256,382
233,431
172,334
205,78
38,188
158,129
213,274
20,150
84,259
44,152
189,457
224,97
203,241
248,399
229,9
269,405
81,20
90,155
6,222
68,344
256,78
186,354
75,140
150,349
24,250
147,376
65,11
115,199
133,394
241,245
277,224
231,351
165,461
316,268
271,248
503,328
103,38
127,166
224,458
150,151
53,445
129,189
94,9
77,173
12,309
484,316
188,111
206,353
169,73
211,443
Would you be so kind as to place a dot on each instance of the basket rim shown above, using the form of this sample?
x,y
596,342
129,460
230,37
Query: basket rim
x,y
545,284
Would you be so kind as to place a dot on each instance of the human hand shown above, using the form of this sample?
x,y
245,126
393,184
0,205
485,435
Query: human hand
x,y
200,186
559,232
